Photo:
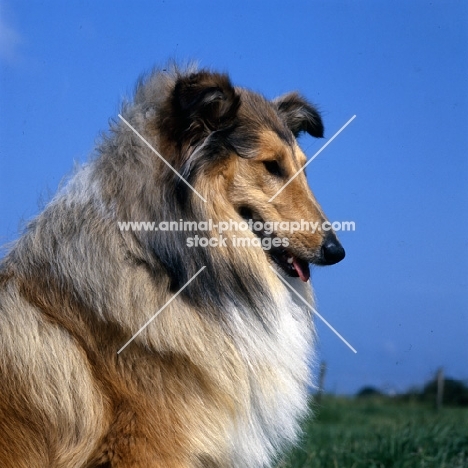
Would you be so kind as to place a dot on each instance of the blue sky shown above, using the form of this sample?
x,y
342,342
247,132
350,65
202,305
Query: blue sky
x,y
400,170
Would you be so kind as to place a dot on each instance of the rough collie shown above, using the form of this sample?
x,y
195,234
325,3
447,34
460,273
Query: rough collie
x,y
220,377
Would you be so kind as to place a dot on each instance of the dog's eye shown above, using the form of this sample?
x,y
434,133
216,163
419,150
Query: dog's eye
x,y
273,168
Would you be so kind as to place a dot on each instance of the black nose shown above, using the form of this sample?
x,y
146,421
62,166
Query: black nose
x,y
332,250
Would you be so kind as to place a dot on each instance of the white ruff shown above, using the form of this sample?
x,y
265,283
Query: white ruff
x,y
279,380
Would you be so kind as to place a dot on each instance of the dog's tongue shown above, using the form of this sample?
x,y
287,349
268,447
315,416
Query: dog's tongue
x,y
302,270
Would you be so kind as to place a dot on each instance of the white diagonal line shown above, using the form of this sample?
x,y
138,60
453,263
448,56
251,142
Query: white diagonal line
x,y
312,158
161,309
160,157
314,311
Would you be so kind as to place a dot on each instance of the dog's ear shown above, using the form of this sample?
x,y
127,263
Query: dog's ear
x,y
202,103
299,115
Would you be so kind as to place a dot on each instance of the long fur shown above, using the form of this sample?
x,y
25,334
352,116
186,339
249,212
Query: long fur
x,y
220,378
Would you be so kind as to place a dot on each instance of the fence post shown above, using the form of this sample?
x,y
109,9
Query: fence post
x,y
440,388
321,382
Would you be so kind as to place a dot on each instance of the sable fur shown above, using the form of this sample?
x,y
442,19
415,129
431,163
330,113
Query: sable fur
x,y
220,378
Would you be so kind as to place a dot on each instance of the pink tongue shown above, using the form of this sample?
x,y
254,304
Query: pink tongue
x,y
304,275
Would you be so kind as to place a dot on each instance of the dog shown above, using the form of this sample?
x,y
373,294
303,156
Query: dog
x,y
220,377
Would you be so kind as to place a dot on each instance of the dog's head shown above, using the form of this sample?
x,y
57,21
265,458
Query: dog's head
x,y
240,151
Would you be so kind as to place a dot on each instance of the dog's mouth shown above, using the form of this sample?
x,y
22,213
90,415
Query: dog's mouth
x,y
291,264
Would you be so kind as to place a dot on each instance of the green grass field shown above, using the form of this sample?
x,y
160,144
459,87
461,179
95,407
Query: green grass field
x,y
380,432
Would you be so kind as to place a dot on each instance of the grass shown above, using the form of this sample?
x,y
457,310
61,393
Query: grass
x,y
381,432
